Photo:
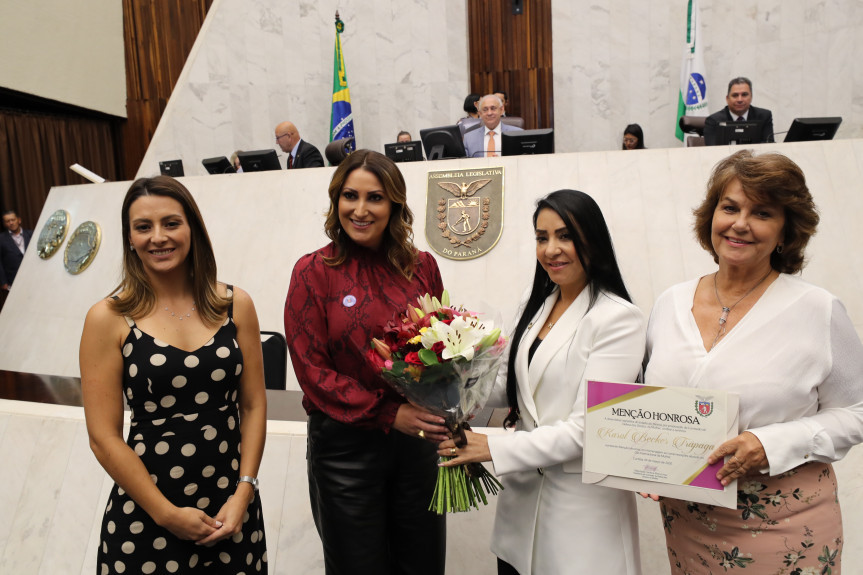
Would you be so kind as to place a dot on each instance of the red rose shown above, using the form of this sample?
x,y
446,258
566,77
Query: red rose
x,y
413,358
438,347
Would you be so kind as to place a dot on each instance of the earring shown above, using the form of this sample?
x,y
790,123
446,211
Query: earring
x,y
779,249
131,248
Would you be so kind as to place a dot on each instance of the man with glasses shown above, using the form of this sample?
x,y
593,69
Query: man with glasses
x,y
301,154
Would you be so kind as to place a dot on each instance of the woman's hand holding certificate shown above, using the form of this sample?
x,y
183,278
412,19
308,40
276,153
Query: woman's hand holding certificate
x,y
663,440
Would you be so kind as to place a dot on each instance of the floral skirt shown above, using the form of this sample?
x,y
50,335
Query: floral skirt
x,y
784,525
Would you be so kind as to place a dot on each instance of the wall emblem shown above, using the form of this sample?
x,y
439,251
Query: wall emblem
x,y
464,212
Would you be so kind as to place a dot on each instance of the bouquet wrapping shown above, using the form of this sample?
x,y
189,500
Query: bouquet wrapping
x,y
444,359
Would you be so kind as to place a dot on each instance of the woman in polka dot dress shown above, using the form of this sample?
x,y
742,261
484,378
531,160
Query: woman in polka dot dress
x,y
185,351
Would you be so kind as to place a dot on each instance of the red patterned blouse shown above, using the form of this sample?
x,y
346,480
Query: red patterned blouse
x,y
331,315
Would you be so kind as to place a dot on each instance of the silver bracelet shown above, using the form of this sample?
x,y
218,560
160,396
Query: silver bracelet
x,y
253,481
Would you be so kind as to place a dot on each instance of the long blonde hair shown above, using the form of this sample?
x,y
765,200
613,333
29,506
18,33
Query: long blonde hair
x,y
135,295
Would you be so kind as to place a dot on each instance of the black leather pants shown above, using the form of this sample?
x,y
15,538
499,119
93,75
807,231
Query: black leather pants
x,y
370,492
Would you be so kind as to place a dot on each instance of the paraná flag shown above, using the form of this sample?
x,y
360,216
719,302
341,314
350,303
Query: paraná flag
x,y
692,98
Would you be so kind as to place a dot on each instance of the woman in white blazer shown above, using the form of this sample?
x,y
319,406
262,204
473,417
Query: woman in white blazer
x,y
577,324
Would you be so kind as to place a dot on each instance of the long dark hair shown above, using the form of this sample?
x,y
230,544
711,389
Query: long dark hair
x,y
589,233
634,130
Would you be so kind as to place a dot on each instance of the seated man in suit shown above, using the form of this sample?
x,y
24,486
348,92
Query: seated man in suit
x,y
739,109
13,242
301,154
485,139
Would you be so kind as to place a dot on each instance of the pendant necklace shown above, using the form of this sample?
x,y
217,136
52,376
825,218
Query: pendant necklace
x,y
727,310
180,316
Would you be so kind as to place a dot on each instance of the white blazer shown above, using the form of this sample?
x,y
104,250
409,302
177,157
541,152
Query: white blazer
x,y
547,520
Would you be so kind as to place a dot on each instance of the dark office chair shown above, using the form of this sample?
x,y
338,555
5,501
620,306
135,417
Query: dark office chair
x,y
693,130
338,150
516,121
275,349
692,124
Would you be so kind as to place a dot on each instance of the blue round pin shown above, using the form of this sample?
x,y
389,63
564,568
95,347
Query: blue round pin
x,y
349,301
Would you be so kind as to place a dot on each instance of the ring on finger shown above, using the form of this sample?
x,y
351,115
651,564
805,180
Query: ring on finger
x,y
452,451
422,434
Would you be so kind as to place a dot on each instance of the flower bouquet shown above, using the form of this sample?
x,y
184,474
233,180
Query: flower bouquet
x,y
445,360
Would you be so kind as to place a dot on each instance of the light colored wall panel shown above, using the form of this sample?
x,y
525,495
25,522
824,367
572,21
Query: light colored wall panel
x,y
71,52
56,541
260,224
256,64
618,62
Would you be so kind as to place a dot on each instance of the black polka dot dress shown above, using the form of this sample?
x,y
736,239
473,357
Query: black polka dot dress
x,y
185,428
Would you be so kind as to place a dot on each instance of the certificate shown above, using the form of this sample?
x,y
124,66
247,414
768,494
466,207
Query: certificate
x,y
657,440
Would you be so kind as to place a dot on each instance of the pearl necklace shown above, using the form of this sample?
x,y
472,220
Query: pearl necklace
x,y
727,310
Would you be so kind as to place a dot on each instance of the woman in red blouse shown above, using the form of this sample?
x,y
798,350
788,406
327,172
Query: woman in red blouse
x,y
371,456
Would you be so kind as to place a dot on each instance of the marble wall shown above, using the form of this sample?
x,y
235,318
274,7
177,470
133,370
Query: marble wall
x,y
618,62
54,494
256,64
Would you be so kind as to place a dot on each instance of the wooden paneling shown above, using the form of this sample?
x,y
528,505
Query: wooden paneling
x,y
513,53
38,142
159,34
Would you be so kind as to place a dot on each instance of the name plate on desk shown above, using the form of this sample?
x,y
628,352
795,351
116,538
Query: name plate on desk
x,y
657,440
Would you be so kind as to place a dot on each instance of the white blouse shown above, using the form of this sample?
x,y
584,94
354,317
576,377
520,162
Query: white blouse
x,y
794,359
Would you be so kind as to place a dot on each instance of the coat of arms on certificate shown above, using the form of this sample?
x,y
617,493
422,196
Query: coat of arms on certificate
x,y
464,211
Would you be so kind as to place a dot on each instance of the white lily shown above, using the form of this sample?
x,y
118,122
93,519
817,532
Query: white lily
x,y
459,337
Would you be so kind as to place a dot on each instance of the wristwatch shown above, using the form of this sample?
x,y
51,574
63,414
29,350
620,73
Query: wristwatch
x,y
251,480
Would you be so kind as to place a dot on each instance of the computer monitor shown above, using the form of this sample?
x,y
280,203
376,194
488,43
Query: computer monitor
x,y
443,142
738,133
808,129
259,161
527,142
218,165
404,151
173,168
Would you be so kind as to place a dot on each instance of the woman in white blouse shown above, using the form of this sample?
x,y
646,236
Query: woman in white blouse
x,y
789,350
577,324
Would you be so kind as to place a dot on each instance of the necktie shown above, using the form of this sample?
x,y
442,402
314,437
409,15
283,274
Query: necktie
x,y
290,162
490,151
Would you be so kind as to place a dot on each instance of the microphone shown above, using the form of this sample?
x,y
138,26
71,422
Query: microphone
x,y
86,174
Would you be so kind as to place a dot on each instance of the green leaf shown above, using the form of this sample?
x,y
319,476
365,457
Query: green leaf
x,y
490,339
428,357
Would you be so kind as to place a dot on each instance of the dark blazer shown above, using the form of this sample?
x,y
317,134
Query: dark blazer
x,y
11,256
761,116
308,156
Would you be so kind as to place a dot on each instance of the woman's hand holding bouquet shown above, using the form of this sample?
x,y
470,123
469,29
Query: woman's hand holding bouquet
x,y
444,359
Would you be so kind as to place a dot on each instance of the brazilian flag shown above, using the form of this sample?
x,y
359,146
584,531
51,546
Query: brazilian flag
x,y
341,119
